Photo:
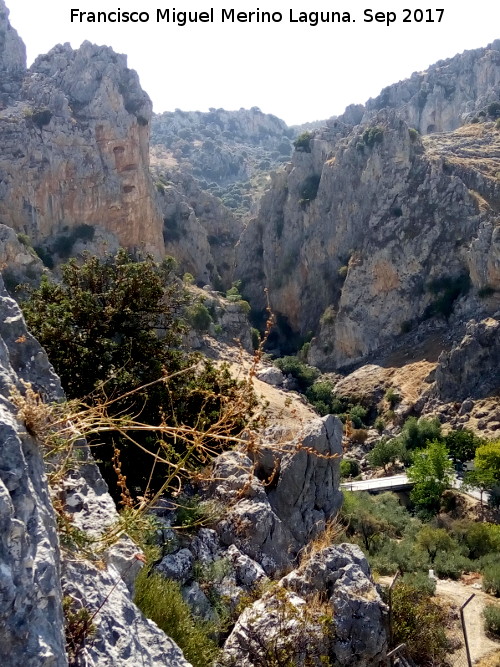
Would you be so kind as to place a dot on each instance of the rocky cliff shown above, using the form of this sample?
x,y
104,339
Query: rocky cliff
x,y
198,230
74,131
35,573
372,231
443,97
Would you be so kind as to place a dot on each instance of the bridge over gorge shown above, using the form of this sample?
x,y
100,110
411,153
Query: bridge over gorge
x,y
402,483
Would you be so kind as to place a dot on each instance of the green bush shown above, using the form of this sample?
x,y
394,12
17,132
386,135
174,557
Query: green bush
x,y
161,600
25,240
491,615
379,424
99,326
372,136
447,290
419,622
199,316
320,391
357,415
349,468
413,133
420,581
303,142
416,433
304,374
392,397
452,564
491,578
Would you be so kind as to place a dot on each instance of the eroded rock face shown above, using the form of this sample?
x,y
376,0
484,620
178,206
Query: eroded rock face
x,y
270,523
442,97
283,620
31,621
198,230
470,369
369,231
75,146
32,566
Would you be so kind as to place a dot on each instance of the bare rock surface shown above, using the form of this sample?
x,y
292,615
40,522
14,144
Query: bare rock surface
x,y
32,566
74,131
277,622
271,523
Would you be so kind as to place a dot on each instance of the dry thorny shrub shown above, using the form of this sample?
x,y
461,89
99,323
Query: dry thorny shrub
x,y
61,429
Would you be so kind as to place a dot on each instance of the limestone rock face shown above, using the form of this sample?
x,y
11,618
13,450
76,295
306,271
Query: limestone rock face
x,y
283,619
75,147
449,92
198,230
470,369
31,621
12,58
370,231
34,575
271,524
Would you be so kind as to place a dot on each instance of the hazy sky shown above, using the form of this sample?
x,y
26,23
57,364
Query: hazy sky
x,y
294,70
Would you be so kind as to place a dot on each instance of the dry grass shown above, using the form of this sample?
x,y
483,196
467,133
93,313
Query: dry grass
x,y
492,660
326,538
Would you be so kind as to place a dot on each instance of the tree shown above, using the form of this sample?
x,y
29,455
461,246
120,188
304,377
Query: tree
x,y
486,474
112,328
434,540
488,458
385,452
432,473
462,445
359,512
480,480
100,323
416,433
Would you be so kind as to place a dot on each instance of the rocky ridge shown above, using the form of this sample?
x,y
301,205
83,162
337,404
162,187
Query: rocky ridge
x,y
445,96
75,138
370,232
229,153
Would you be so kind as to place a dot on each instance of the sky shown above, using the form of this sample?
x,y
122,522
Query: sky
x,y
291,69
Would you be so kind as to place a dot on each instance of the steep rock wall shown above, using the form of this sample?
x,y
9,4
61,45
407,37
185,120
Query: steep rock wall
x,y
34,573
75,146
441,98
357,239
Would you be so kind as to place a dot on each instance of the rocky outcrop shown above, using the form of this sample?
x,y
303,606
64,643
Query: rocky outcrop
x,y
326,609
19,263
470,369
447,94
198,230
369,232
34,573
12,59
271,521
31,619
75,146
